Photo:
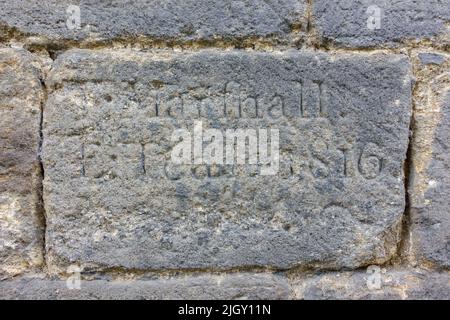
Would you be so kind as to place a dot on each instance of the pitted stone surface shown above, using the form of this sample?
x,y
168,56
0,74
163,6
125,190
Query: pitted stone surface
x,y
430,182
166,19
369,23
375,284
203,287
21,236
114,198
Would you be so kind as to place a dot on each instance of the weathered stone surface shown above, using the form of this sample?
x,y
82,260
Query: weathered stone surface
x,y
345,22
394,284
430,180
387,284
21,236
205,287
114,198
167,19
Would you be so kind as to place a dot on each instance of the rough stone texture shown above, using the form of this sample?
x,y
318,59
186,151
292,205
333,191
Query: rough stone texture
x,y
142,227
430,180
205,287
113,198
21,236
344,22
166,19
394,284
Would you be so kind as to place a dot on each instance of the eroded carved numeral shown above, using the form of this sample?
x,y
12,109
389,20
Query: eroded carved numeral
x,y
313,102
370,161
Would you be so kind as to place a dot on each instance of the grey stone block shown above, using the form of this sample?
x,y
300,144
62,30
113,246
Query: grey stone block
x,y
203,287
158,19
21,95
430,179
431,58
114,197
375,284
349,23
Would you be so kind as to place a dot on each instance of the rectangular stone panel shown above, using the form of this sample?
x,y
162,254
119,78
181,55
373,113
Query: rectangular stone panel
x,y
241,286
429,189
21,225
370,23
158,19
334,197
375,283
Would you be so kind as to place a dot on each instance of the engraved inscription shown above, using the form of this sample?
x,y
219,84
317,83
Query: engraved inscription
x,y
322,160
331,131
308,100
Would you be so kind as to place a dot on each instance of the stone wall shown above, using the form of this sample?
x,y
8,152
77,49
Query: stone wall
x,y
353,206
